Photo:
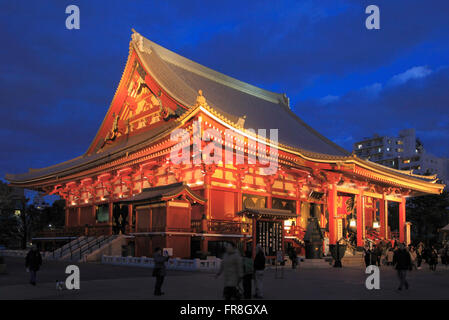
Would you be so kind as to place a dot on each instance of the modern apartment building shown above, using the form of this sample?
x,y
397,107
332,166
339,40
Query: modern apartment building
x,y
404,152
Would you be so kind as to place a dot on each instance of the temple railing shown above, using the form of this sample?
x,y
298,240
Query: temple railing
x,y
228,227
161,229
221,227
209,265
60,233
196,226
75,232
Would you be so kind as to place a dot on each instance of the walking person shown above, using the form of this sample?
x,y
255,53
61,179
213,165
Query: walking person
x,y
159,270
419,254
378,253
413,257
433,258
402,262
259,267
445,255
33,262
248,275
231,267
368,254
390,255
293,257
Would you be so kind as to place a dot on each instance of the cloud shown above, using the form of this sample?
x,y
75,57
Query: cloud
x,y
420,102
412,73
328,99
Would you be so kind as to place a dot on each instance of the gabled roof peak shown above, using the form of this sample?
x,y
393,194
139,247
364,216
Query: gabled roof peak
x,y
145,45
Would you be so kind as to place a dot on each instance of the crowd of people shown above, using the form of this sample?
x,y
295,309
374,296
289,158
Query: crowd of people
x,y
383,253
241,272
405,258
238,272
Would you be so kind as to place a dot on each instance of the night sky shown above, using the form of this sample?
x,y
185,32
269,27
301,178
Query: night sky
x,y
344,80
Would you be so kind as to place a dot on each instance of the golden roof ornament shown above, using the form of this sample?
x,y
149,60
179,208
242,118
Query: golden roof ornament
x,y
137,38
241,121
200,99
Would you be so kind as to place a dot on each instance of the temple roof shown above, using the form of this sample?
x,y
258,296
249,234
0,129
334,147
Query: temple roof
x,y
267,213
227,97
166,192
263,109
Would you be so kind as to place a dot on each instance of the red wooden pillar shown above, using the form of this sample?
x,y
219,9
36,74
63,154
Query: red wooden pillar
x,y
332,209
402,221
360,216
383,217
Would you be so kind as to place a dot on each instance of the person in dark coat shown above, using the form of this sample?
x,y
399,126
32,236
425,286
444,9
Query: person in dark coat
x,y
369,257
248,274
433,258
33,262
402,262
378,253
159,270
259,267
293,257
445,255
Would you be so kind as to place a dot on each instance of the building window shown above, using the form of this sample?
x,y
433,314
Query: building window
x,y
278,203
252,201
360,146
102,213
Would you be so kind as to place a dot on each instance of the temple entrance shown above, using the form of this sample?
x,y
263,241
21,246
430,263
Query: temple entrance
x,y
267,228
269,236
119,218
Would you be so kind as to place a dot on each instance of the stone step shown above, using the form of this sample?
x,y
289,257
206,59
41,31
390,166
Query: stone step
x,y
353,261
314,264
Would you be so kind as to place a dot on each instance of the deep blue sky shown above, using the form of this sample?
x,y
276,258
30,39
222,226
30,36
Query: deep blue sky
x,y
345,81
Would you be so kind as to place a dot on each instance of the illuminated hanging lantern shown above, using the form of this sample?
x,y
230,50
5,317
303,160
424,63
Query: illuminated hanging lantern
x,y
353,223
376,224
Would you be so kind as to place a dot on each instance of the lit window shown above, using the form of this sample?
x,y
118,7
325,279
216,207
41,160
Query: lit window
x,y
406,161
388,149
380,149
359,146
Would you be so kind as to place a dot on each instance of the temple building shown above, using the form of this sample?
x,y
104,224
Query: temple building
x,y
131,182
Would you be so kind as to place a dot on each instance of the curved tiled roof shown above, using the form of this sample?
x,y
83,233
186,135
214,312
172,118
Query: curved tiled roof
x,y
228,97
263,109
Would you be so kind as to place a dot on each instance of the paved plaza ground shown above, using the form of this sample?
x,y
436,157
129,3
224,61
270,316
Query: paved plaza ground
x,y
117,282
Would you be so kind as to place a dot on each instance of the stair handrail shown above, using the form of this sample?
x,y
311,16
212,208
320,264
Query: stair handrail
x,y
98,242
